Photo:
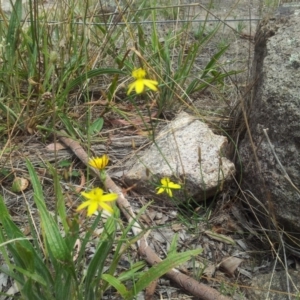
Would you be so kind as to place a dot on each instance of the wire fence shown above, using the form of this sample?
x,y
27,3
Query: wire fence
x,y
149,22
116,20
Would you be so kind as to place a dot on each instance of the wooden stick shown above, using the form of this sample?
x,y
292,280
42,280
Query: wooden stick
x,y
199,290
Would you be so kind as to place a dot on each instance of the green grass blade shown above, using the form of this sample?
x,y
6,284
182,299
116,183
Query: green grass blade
x,y
68,125
10,271
173,245
213,61
122,246
66,290
20,245
28,292
8,111
35,277
160,269
54,239
133,272
60,203
95,268
87,237
27,256
12,232
88,75
208,81
13,30
96,126
116,283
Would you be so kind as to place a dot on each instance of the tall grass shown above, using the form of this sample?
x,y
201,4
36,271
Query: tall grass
x,y
54,59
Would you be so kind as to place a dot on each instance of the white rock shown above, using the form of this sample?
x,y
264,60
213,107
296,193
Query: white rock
x,y
175,154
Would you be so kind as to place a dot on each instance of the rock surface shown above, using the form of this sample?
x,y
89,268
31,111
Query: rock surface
x,y
274,286
175,154
275,105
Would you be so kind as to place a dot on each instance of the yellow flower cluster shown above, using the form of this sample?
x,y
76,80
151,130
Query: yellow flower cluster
x,y
96,199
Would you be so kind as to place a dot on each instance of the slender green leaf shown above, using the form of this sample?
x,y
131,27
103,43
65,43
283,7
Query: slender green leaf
x,y
141,36
12,241
28,291
122,246
68,125
10,271
12,232
95,268
60,203
87,237
116,283
66,290
213,61
160,269
88,75
208,81
34,276
27,256
55,241
13,29
96,126
8,111
133,272
173,245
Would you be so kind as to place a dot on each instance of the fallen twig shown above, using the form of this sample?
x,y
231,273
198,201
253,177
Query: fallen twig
x,y
199,290
150,290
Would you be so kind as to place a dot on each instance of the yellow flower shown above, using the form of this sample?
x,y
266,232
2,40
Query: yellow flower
x,y
140,82
99,162
167,186
96,200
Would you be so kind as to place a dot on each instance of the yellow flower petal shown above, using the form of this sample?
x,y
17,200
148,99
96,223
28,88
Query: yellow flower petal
x,y
173,185
99,162
92,208
139,86
93,194
151,84
131,87
106,207
109,197
169,192
167,186
83,205
96,200
165,181
87,195
160,190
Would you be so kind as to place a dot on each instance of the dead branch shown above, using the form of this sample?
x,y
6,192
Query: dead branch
x,y
150,290
197,289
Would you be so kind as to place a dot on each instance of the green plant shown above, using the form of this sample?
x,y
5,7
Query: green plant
x,y
227,289
49,265
240,27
